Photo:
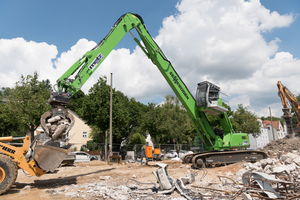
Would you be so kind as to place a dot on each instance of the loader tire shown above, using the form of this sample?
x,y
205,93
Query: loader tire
x,y
8,173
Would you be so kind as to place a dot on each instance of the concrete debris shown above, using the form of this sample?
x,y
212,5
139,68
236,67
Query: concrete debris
x,y
104,177
94,190
276,177
129,161
59,122
54,119
288,163
27,187
176,159
246,196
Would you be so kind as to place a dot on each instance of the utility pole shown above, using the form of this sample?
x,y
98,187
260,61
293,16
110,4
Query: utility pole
x,y
110,117
272,124
105,148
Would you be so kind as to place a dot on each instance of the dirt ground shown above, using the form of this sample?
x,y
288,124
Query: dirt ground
x,y
31,187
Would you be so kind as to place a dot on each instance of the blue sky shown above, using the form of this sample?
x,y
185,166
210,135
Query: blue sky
x,y
290,35
245,47
64,22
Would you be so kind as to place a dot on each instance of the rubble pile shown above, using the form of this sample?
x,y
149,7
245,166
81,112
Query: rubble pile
x,y
276,177
103,191
93,190
228,186
281,146
288,163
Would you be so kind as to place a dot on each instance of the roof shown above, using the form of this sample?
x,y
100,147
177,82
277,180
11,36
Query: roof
x,y
267,122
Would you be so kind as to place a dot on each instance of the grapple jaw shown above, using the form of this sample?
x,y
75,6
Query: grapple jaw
x,y
50,151
57,122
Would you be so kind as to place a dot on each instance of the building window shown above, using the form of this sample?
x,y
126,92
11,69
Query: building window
x,y
84,134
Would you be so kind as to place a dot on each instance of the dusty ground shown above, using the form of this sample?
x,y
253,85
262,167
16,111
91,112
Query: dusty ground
x,y
34,188
30,187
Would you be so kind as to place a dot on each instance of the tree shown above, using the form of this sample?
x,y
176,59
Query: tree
x,y
77,101
136,110
214,120
167,121
137,138
179,123
95,110
153,122
244,121
26,102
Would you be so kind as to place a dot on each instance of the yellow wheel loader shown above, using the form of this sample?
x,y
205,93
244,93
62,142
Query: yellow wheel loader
x,y
35,158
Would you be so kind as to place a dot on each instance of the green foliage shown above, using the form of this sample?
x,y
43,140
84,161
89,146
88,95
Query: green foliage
x,y
136,110
179,123
95,109
154,121
92,146
77,101
168,121
137,138
83,148
244,121
75,149
25,103
97,135
214,119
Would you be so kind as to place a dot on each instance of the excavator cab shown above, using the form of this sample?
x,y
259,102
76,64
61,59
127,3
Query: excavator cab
x,y
208,98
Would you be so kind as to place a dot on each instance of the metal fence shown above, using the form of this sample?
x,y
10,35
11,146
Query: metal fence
x,y
99,148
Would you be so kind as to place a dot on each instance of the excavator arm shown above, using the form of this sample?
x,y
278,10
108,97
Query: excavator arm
x,y
285,96
74,78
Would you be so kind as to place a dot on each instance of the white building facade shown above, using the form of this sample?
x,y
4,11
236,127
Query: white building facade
x,y
262,140
275,130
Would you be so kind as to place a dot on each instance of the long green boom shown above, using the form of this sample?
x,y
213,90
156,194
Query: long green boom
x,y
90,61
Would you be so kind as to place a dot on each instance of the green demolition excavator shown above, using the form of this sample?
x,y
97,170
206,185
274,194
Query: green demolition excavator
x,y
218,143
39,157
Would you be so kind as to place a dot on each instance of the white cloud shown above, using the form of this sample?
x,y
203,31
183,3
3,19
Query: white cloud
x,y
67,59
241,99
219,41
19,57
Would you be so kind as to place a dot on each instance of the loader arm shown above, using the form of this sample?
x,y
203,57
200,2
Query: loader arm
x,y
18,155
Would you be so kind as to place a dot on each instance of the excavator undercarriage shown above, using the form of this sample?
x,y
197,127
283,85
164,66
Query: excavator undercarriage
x,y
219,158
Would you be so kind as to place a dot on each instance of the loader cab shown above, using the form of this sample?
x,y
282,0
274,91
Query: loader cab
x,y
208,98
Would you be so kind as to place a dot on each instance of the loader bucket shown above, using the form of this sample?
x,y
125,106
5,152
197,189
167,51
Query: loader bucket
x,y
50,157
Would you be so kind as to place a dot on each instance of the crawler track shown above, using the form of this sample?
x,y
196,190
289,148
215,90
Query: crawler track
x,y
214,158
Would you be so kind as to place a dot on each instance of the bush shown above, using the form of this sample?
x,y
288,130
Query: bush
x,y
83,148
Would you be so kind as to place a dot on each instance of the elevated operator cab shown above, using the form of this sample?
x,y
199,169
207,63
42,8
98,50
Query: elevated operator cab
x,y
208,97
